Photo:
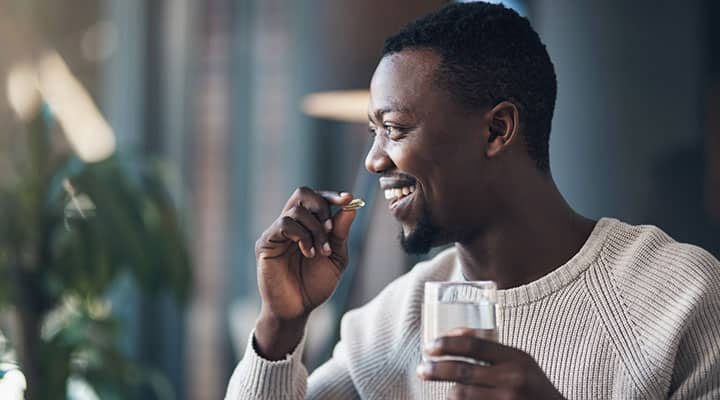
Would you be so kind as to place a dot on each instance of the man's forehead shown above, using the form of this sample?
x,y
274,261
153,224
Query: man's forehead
x,y
414,65
400,79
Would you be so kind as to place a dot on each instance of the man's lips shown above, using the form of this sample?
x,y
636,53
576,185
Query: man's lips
x,y
397,182
398,191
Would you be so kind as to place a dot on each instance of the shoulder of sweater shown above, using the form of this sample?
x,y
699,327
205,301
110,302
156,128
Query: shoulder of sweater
x,y
644,256
661,284
653,293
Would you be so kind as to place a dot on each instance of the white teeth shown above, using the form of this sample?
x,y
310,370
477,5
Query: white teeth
x,y
398,192
407,190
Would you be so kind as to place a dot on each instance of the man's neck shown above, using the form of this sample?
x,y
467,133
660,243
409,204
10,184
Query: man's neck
x,y
528,243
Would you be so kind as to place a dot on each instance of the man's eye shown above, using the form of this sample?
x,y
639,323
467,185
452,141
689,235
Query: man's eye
x,y
393,132
390,131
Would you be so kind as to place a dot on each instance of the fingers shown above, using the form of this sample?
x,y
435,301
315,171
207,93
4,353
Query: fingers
x,y
318,203
342,221
506,381
309,221
470,346
458,371
459,391
494,381
336,198
285,229
511,373
489,334
306,220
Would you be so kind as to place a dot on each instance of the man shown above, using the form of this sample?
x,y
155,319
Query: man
x,y
460,111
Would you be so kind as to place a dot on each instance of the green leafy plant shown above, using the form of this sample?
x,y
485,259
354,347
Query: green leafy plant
x,y
68,230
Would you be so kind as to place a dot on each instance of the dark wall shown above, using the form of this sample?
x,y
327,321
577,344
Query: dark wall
x,y
628,131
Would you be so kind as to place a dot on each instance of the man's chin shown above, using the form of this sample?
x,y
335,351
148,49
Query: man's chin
x,y
420,237
419,240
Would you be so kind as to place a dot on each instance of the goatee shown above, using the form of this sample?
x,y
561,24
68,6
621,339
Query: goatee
x,y
422,238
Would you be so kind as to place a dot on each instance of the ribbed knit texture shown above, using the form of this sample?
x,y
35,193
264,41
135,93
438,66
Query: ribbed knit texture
x,y
633,315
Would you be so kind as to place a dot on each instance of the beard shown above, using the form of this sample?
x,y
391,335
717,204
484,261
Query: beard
x,y
423,237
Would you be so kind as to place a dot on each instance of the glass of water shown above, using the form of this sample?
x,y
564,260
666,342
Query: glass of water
x,y
451,305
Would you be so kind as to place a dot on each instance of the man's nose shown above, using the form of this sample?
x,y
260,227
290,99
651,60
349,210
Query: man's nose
x,y
377,160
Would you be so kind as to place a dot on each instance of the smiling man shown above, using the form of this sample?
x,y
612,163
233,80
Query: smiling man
x,y
460,110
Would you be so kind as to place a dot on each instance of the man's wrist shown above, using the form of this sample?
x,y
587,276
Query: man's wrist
x,y
276,338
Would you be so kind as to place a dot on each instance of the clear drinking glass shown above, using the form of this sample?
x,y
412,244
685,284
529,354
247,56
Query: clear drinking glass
x,y
450,305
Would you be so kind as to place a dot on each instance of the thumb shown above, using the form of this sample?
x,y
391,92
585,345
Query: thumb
x,y
342,221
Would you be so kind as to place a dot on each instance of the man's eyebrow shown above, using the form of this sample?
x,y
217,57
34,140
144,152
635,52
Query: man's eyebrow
x,y
391,108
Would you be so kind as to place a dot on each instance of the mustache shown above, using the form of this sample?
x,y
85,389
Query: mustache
x,y
399,176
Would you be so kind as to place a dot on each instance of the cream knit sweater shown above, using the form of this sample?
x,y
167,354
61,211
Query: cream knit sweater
x,y
633,315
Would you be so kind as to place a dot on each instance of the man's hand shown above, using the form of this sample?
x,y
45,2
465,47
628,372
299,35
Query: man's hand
x,y
299,261
509,373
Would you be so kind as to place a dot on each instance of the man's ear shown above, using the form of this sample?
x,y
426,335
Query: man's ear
x,y
503,127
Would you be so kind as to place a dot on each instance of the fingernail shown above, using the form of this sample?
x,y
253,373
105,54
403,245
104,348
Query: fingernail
x,y
312,252
433,346
427,346
342,194
328,225
327,249
423,369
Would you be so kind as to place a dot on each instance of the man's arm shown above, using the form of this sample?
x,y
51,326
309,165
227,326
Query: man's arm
x,y
696,374
300,258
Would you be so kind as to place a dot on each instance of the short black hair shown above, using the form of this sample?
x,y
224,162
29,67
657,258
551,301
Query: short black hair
x,y
489,53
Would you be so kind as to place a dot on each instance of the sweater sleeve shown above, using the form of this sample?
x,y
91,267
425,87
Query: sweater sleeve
x,y
696,373
670,293
256,378
259,379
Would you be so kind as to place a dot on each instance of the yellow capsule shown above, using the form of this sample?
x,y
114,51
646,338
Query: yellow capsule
x,y
354,205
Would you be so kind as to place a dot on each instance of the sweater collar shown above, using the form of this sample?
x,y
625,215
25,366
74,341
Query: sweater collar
x,y
558,278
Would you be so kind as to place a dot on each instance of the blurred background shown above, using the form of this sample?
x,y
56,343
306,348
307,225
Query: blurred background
x,y
145,145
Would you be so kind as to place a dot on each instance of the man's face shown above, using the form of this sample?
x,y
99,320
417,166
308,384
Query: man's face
x,y
429,152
